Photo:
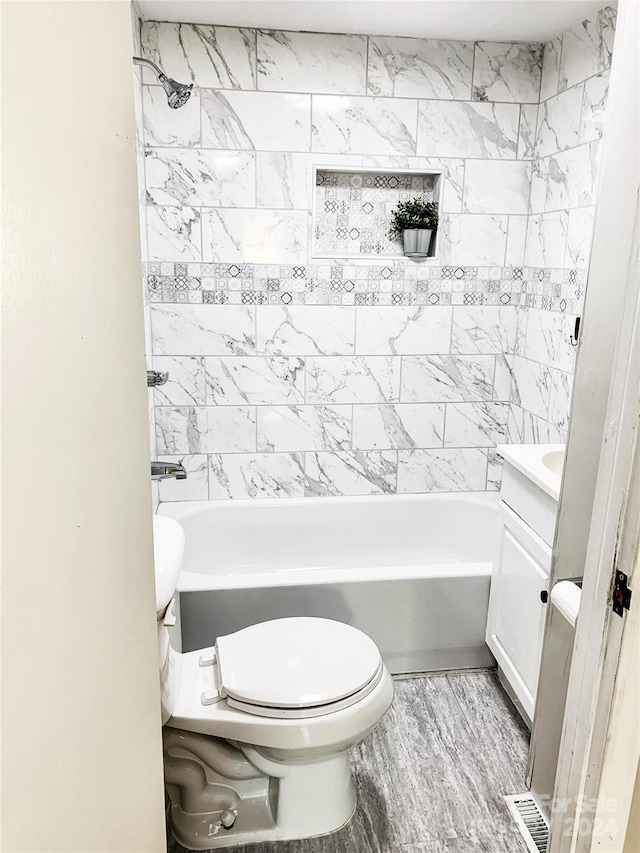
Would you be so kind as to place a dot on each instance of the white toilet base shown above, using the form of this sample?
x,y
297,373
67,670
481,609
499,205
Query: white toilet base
x,y
275,802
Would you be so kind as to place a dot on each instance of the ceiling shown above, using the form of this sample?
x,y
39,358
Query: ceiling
x,y
486,20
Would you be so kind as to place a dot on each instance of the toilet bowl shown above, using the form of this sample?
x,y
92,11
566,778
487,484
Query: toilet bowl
x,y
258,727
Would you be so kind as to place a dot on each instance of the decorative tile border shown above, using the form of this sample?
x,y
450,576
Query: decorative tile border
x,y
548,289
344,284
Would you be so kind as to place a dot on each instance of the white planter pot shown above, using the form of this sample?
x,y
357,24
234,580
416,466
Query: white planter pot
x,y
416,241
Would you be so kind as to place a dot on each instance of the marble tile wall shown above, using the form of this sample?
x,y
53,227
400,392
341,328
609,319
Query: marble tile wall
x,y
566,147
321,400
292,375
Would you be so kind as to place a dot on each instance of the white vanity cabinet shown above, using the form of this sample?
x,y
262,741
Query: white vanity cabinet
x,y
522,564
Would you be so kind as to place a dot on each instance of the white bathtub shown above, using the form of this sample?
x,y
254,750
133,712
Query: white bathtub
x,y
411,571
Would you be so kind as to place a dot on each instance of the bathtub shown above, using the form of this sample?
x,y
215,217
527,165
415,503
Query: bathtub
x,y
411,571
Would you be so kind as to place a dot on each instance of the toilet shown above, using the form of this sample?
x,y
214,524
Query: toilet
x,y
257,728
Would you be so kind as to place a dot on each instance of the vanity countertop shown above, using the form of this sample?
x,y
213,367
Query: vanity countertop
x,y
540,463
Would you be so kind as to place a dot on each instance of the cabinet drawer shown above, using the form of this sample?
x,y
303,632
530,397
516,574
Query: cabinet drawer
x,y
535,508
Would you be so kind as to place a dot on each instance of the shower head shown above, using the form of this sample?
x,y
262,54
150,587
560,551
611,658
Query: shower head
x,y
177,93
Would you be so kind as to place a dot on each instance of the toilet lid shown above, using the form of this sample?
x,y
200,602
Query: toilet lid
x,y
296,663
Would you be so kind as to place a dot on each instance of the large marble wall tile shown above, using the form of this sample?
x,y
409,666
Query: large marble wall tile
x,y
173,234
353,379
546,240
449,129
296,428
195,487
420,68
256,120
357,473
483,329
343,125
190,176
572,177
548,339
473,240
507,72
521,329
256,475
219,57
527,131
402,426
560,399
285,179
559,122
254,380
515,425
496,186
516,241
403,330
587,48
579,236
209,429
503,379
453,169
527,428
203,329
446,470
163,126
531,384
550,69
254,236
185,386
446,378
312,62
476,424
594,103
306,330
539,179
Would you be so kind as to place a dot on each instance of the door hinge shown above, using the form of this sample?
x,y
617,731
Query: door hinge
x,y
621,594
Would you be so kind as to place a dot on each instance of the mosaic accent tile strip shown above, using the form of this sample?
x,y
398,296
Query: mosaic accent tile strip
x,y
341,284
353,211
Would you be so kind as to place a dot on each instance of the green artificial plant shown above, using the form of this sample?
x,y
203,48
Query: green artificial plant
x,y
413,214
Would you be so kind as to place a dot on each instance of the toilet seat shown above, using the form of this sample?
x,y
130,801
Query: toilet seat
x,y
296,667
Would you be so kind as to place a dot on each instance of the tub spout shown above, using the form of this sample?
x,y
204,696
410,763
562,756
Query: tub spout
x,y
167,470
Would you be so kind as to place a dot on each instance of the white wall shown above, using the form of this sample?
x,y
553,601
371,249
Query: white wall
x,y
82,764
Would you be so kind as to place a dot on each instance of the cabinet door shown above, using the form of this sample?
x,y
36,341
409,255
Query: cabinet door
x,y
516,613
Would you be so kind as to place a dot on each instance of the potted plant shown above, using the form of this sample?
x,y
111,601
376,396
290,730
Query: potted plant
x,y
416,221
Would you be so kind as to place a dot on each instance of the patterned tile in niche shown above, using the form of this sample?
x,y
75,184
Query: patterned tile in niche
x,y
352,210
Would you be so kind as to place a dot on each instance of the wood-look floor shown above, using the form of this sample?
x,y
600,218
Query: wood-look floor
x,y
432,776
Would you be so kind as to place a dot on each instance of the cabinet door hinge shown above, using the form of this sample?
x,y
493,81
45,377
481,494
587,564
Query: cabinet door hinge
x,y
621,594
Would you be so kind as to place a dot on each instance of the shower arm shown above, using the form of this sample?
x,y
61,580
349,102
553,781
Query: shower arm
x,y
138,60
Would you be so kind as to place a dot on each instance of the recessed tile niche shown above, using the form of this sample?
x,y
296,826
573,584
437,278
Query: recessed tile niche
x,y
352,210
